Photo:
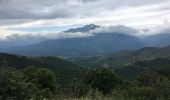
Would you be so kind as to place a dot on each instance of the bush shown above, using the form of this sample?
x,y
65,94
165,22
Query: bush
x,y
102,79
35,83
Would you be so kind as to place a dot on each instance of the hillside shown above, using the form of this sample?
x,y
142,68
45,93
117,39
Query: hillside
x,y
123,58
130,64
65,70
158,65
159,40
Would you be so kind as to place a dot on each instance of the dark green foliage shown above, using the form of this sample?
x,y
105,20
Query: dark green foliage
x,y
43,79
123,58
79,89
35,83
147,79
130,72
103,79
14,87
162,88
147,74
153,86
158,65
64,70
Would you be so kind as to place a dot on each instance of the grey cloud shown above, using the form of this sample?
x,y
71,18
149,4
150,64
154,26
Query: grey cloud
x,y
34,11
44,9
30,38
165,28
13,22
37,37
1,1
89,0
45,36
29,9
116,29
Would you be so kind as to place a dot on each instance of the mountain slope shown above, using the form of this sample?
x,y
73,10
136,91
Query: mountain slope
x,y
123,58
99,43
158,65
159,40
85,28
64,70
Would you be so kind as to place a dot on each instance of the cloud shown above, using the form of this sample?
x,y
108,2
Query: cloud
x,y
46,36
60,35
5,33
17,39
30,9
50,9
122,29
115,29
34,15
163,29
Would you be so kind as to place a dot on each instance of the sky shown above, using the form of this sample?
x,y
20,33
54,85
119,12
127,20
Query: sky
x,y
39,17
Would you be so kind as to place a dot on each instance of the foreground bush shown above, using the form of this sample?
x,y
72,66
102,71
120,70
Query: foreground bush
x,y
102,79
101,84
35,83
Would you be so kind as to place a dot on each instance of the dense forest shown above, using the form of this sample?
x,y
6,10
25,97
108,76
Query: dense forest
x,y
142,74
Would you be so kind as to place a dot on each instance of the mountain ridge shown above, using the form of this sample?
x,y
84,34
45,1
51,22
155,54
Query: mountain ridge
x,y
123,58
99,43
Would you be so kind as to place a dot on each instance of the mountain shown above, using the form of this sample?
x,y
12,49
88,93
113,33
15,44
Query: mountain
x,y
85,28
64,70
158,65
99,43
130,64
123,58
159,40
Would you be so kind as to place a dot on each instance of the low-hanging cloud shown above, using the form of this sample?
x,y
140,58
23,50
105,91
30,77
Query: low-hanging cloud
x,y
63,35
116,29
46,36
163,29
17,39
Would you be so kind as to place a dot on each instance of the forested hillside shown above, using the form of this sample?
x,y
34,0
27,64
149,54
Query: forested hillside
x,y
138,76
64,70
123,58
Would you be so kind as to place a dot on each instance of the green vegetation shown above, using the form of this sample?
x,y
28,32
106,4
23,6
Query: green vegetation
x,y
35,83
123,58
140,75
158,65
64,70
103,79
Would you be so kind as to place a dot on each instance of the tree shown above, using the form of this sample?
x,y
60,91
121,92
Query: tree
x,y
43,79
102,79
156,83
30,83
147,79
14,87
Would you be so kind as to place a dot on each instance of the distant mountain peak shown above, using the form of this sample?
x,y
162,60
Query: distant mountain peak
x,y
85,28
92,26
